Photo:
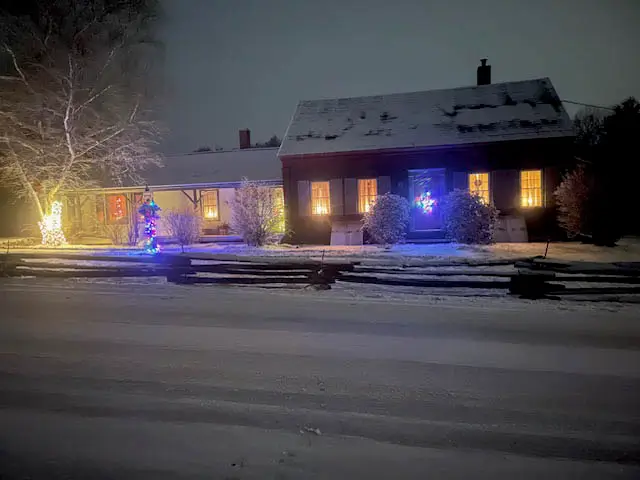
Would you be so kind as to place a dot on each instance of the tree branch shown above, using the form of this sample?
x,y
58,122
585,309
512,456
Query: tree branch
x,y
17,67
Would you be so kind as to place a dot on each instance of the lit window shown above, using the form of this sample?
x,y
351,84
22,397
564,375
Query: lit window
x,y
116,208
479,185
209,199
531,188
367,193
278,200
320,203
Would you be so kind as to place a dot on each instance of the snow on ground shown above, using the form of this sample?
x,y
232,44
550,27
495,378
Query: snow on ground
x,y
628,250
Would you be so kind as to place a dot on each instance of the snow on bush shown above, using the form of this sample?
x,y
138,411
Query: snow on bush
x,y
184,226
386,222
573,197
255,213
467,219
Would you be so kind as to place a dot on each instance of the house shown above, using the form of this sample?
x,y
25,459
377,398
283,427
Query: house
x,y
507,142
204,181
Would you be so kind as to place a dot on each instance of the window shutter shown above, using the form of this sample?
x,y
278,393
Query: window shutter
x,y
460,180
505,186
304,198
384,185
335,193
551,179
350,196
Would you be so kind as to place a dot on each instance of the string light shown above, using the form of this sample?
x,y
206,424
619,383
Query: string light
x,y
426,203
149,211
119,210
51,227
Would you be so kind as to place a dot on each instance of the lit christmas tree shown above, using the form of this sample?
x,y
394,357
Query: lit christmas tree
x,y
149,211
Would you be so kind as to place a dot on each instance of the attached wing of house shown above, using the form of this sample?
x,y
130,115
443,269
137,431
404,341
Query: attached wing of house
x,y
201,182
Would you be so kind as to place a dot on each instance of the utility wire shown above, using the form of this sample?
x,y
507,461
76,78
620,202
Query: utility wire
x,y
600,107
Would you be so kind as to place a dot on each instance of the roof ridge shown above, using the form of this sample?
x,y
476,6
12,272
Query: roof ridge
x,y
435,90
209,152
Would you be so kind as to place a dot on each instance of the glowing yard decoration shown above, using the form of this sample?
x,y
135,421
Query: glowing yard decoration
x,y
51,227
149,211
426,203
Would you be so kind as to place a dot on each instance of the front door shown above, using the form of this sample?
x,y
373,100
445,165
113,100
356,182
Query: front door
x,y
427,188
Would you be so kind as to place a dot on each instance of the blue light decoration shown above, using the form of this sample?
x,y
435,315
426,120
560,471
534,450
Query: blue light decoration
x,y
426,202
149,211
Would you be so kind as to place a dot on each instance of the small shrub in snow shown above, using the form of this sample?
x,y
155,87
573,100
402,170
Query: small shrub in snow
x,y
386,222
117,233
255,213
467,219
184,226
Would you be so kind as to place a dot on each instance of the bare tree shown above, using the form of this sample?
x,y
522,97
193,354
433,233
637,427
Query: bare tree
x,y
184,226
255,212
588,125
73,105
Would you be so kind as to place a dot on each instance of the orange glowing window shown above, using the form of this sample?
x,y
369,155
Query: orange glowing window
x,y
116,208
479,185
531,188
209,201
367,194
320,200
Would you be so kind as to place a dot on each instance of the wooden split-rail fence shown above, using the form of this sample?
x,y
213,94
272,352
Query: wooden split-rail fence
x,y
529,278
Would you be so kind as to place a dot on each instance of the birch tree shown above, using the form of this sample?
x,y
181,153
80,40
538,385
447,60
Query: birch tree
x,y
73,98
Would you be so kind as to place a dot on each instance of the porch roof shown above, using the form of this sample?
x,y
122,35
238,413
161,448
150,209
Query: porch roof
x,y
458,116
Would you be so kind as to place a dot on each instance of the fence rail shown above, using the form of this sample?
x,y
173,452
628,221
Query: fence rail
x,y
531,278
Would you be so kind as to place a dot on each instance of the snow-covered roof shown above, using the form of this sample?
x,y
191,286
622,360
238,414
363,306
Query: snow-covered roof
x,y
216,167
477,114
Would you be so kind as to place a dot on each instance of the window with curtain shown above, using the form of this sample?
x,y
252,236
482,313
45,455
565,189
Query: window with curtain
x,y
479,185
531,188
367,193
209,201
320,200
116,208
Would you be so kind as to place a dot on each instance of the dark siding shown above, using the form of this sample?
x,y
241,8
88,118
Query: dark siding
x,y
551,180
304,198
384,185
503,159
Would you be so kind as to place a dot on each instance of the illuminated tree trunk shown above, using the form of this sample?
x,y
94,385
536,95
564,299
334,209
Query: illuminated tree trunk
x,y
51,226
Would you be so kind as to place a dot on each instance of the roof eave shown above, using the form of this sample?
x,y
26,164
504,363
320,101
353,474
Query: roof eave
x,y
415,148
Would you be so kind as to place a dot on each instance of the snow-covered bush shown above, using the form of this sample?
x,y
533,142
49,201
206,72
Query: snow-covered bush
x,y
573,197
255,213
387,221
184,226
467,219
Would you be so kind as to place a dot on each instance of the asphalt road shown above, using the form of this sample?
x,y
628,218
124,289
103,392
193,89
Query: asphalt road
x,y
103,381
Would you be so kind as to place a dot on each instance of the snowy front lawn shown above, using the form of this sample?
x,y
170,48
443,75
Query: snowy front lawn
x,y
628,250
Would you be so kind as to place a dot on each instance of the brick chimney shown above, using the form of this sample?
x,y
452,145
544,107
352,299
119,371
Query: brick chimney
x,y
484,73
245,138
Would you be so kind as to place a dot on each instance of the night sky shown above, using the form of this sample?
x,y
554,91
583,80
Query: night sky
x,y
233,64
